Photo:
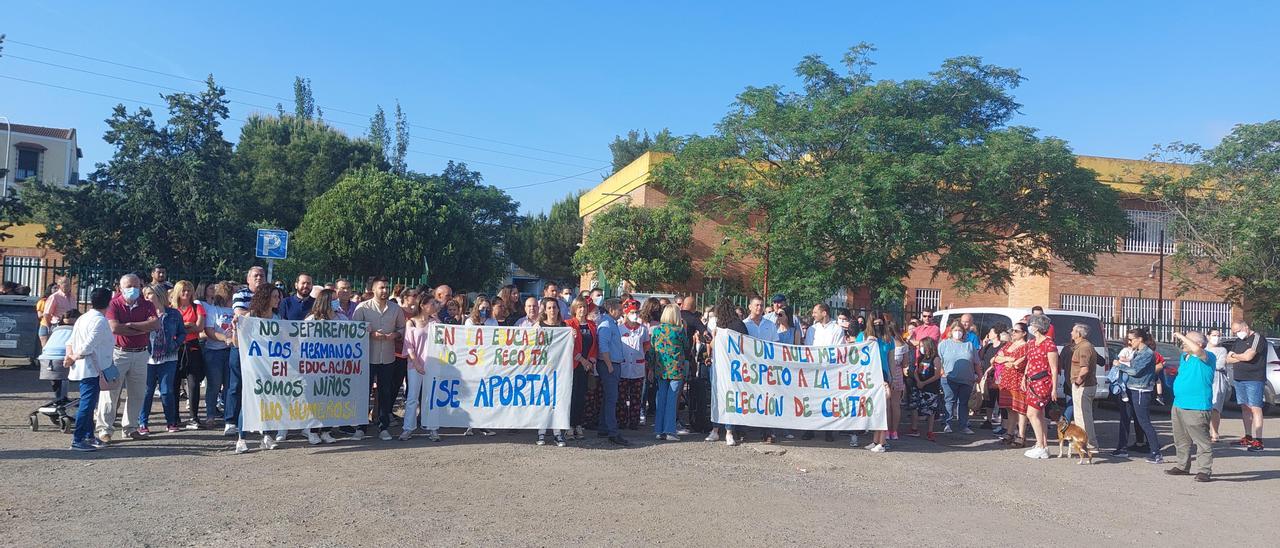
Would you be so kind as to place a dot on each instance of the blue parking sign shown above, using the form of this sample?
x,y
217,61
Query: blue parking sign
x,y
272,244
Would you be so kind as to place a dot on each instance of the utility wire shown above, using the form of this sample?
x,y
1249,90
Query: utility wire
x,y
279,98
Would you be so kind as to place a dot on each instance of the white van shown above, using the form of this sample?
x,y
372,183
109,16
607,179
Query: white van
x,y
1063,321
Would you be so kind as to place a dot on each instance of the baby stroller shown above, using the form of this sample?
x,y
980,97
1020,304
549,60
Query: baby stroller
x,y
55,409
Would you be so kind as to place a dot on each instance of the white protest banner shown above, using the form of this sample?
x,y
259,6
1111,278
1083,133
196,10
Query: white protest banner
x,y
303,374
499,377
773,385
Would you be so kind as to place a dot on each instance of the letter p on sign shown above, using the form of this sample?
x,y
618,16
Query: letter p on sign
x,y
272,244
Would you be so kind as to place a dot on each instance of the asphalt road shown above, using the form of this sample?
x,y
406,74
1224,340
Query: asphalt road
x,y
188,489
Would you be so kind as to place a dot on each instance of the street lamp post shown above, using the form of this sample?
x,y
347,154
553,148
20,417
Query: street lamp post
x,y
4,169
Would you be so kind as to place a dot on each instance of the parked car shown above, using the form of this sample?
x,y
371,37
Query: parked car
x,y
1061,320
1271,388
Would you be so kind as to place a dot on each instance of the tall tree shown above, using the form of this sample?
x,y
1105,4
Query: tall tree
x,y
489,211
167,194
287,162
13,211
399,164
375,222
850,182
544,244
379,134
1225,216
304,105
645,246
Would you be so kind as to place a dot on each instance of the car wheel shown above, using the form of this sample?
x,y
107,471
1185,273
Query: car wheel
x,y
1268,398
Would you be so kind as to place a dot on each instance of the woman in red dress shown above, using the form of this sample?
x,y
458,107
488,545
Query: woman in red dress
x,y
1040,381
1013,357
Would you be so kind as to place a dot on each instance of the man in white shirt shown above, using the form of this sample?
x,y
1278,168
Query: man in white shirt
x,y
92,345
757,325
530,318
825,331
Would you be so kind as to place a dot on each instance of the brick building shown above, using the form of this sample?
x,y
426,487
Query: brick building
x,y
1124,287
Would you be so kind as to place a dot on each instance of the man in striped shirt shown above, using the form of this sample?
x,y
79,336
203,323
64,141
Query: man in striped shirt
x,y
231,405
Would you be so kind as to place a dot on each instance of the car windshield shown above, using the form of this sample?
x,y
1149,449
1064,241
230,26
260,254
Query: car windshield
x,y
1064,323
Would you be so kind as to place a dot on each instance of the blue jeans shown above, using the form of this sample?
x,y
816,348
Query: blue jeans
x,y
162,375
1138,408
231,398
84,415
609,386
956,396
665,407
215,378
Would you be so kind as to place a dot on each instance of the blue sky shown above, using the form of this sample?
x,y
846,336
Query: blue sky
x,y
561,79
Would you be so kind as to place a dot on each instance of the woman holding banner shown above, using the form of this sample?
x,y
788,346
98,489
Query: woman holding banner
x,y
550,317
323,311
481,313
725,319
670,348
219,330
586,348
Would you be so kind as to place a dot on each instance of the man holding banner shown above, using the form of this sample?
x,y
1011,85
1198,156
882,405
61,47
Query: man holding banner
x,y
828,387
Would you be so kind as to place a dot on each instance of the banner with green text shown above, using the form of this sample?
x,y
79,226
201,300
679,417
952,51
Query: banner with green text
x,y
303,374
773,385
498,377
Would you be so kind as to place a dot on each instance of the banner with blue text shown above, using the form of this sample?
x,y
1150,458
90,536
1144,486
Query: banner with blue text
x,y
773,385
302,374
498,377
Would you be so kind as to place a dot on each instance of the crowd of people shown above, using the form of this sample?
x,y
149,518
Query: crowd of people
x,y
635,363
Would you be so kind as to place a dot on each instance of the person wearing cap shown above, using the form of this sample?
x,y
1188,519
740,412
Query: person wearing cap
x,y
778,303
635,342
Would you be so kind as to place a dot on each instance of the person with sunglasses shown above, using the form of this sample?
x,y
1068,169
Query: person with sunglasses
x,y
927,329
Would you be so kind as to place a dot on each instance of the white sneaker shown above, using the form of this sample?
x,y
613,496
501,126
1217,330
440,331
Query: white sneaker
x,y
872,446
1037,453
358,434
434,435
404,436
325,437
658,437
789,436
268,442
542,439
384,435
241,447
281,435
642,419
946,429
672,437
713,436
681,430
728,439
878,449
313,438
230,430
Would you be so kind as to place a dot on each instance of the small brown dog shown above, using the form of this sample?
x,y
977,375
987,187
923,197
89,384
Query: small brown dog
x,y
1070,431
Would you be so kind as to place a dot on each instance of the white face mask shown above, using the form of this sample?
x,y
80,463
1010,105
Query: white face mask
x,y
957,335
1214,339
1242,334
598,300
633,317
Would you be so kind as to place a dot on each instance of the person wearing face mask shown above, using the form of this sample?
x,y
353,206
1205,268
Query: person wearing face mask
x,y
1040,382
960,368
635,340
1221,382
880,334
132,319
480,313
1248,359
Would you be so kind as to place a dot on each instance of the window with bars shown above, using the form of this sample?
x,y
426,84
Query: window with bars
x,y
1205,314
1104,307
28,271
928,298
1144,235
1142,309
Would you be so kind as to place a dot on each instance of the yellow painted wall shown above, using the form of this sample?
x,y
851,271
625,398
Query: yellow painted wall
x,y
23,236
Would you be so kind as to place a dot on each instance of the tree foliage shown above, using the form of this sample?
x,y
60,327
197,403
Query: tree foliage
x,y
285,162
636,144
304,104
167,194
400,164
13,211
849,181
544,244
378,132
645,246
1226,215
378,223
489,213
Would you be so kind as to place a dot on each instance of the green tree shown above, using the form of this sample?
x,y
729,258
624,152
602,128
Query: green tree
x,y
399,162
636,144
849,182
544,244
377,223
1225,213
645,246
378,132
488,211
167,195
13,212
304,104
286,162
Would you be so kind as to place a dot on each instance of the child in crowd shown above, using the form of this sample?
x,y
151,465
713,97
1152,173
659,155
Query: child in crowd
x,y
926,400
54,351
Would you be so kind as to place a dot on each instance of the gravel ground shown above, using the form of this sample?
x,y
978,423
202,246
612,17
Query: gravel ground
x,y
189,489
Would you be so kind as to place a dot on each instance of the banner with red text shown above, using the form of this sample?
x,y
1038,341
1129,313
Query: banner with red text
x,y
773,385
498,377
302,374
